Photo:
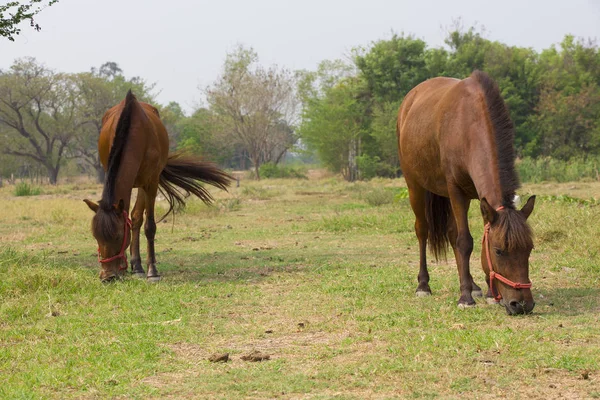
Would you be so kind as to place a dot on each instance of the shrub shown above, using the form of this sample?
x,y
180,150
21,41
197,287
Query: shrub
x,y
271,170
551,169
379,197
24,189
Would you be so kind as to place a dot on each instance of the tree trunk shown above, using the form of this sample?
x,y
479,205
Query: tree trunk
x,y
53,175
256,170
100,174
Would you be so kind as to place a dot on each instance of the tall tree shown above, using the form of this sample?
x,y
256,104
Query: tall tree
x,y
39,107
392,67
251,102
333,116
19,12
172,116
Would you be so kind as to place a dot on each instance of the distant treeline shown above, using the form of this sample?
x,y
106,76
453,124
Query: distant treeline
x,y
343,114
349,109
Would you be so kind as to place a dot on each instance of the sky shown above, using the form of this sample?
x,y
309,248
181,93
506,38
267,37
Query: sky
x,y
181,44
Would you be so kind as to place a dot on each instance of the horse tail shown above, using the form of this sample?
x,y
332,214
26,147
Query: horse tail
x,y
188,173
437,213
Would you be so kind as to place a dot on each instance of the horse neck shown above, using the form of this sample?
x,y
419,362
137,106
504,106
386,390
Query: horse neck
x,y
126,176
484,167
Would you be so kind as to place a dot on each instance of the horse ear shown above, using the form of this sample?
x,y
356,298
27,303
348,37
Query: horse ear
x,y
528,207
489,214
120,206
93,206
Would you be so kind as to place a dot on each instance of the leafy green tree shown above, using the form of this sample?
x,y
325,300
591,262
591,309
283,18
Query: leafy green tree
x,y
564,122
201,135
383,131
333,119
171,116
392,67
19,12
569,123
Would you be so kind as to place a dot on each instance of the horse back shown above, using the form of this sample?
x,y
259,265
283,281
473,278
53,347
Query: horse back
x,y
418,129
148,143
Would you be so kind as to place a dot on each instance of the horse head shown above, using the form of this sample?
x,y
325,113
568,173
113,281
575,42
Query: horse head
x,y
112,229
507,244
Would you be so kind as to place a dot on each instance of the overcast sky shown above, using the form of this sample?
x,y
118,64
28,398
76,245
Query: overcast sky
x,y
181,44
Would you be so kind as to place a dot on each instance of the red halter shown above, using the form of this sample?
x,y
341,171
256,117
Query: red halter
x,y
495,275
121,254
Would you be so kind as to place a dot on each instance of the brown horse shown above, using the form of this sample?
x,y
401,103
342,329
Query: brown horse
x,y
134,150
455,141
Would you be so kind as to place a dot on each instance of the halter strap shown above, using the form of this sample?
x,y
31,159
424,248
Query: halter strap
x,y
121,254
495,275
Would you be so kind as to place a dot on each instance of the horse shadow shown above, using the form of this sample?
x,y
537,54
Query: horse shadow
x,y
569,301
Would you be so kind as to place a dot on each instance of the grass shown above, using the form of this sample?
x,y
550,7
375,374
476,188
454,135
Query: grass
x,y
24,189
319,274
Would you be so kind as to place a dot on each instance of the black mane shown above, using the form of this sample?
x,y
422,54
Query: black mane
x,y
505,135
116,152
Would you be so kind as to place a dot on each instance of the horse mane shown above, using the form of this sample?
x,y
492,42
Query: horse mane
x,y
116,152
504,133
512,228
105,220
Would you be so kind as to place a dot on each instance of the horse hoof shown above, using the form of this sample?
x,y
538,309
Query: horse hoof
x,y
154,278
422,293
477,293
491,300
464,306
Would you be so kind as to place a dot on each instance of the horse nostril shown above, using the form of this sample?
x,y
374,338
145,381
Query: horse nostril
x,y
516,307
109,279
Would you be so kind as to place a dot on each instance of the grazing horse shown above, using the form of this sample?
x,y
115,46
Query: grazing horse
x,y
455,140
134,150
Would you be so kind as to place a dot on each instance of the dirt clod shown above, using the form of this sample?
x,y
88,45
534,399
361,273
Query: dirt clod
x,y
219,358
585,375
256,356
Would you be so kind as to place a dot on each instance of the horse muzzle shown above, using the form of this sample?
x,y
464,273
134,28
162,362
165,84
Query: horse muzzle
x,y
514,307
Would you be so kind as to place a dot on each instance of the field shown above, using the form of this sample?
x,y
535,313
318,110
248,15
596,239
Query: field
x,y
318,274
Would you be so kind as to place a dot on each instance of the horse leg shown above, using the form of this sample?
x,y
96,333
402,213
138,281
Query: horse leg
x,y
464,245
453,237
416,195
137,217
150,231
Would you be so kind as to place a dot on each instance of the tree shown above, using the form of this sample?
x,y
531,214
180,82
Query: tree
x,y
568,124
333,116
392,67
200,134
253,103
39,107
18,13
171,116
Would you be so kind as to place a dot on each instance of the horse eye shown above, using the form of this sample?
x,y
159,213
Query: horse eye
x,y
499,252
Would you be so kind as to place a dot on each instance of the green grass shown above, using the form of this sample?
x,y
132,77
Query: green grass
x,y
311,272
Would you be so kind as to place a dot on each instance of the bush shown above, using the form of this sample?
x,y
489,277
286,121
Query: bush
x,y
24,189
379,197
271,170
551,169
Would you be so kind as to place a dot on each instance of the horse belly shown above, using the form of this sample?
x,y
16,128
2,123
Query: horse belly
x,y
420,159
